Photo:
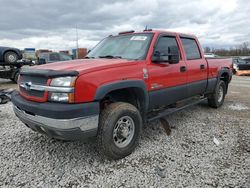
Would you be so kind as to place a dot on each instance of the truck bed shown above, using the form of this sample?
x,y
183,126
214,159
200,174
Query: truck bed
x,y
218,63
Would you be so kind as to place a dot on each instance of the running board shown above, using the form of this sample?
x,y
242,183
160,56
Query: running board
x,y
169,111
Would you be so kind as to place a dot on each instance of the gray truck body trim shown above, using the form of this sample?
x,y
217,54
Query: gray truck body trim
x,y
123,84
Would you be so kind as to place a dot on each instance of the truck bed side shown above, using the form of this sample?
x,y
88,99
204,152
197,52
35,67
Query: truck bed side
x,y
215,65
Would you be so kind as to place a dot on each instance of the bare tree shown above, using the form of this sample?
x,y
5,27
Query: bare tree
x,y
240,50
207,49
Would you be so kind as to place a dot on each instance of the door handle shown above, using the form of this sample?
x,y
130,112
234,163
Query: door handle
x,y
183,69
202,66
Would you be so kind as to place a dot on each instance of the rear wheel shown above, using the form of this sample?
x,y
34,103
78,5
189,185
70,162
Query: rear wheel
x,y
216,99
10,57
119,130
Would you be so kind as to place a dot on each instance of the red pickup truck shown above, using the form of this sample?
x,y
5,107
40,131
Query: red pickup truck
x,y
126,81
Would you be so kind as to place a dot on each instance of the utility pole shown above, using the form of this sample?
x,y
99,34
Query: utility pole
x,y
76,42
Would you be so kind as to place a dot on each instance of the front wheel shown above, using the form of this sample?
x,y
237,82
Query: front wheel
x,y
216,99
119,130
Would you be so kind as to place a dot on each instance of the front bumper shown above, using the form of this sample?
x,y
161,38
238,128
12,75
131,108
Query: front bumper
x,y
60,121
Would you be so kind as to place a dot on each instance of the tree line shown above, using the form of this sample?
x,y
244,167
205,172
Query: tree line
x,y
240,50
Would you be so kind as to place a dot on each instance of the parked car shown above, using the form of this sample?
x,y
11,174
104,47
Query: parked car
x,y
125,81
11,71
247,59
210,55
240,64
10,55
51,57
247,65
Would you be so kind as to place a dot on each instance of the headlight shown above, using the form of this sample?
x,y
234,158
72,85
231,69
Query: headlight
x,y
61,85
63,81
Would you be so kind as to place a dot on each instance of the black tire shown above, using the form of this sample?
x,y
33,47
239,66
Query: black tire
x,y
108,137
10,57
16,77
216,99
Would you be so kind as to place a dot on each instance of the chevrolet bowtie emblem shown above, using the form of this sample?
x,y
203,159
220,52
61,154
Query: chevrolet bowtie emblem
x,y
26,85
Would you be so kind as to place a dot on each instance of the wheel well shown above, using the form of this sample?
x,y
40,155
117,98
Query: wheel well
x,y
134,96
225,78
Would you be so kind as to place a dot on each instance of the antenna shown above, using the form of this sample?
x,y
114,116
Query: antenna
x,y
76,42
146,29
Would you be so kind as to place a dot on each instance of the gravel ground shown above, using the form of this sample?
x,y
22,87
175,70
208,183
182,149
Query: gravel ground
x,y
188,157
5,84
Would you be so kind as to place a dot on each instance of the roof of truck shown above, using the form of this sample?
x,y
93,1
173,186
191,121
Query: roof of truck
x,y
158,32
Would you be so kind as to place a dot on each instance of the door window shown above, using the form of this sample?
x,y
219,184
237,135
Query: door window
x,y
164,43
191,48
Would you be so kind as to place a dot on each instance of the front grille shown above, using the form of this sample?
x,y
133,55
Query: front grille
x,y
33,80
32,92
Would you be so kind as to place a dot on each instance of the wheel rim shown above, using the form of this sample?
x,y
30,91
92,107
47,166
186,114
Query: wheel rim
x,y
220,94
124,131
12,58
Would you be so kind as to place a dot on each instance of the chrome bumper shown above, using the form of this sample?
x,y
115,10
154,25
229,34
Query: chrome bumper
x,y
66,129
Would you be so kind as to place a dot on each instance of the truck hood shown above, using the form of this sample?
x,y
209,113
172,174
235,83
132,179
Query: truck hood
x,y
85,65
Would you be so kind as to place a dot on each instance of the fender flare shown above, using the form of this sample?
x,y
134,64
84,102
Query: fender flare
x,y
103,90
222,71
225,70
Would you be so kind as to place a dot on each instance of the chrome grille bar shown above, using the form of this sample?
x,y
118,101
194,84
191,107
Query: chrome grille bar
x,y
29,86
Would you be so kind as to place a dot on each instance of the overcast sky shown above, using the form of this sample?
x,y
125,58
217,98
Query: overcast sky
x,y
51,23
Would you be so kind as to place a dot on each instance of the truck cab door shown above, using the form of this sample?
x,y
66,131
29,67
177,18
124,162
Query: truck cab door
x,y
167,82
197,69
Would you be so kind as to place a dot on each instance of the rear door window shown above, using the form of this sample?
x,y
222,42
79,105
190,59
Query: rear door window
x,y
191,48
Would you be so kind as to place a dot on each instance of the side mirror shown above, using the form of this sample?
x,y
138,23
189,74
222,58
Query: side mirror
x,y
172,56
157,57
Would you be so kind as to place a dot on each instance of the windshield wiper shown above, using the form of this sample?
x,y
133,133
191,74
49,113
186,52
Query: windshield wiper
x,y
110,57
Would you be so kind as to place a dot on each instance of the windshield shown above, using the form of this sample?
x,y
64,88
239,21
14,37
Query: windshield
x,y
133,46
